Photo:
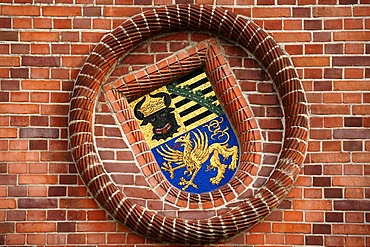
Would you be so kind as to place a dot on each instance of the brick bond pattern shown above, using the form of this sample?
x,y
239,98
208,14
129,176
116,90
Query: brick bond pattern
x,y
44,202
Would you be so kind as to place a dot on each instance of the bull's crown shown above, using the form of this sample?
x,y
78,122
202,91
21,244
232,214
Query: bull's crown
x,y
152,105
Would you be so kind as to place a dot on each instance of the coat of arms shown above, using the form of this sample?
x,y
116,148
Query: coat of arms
x,y
189,134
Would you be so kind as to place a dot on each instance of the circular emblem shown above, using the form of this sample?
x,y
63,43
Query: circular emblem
x,y
168,133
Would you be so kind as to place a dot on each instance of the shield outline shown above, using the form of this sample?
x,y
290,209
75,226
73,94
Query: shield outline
x,y
174,18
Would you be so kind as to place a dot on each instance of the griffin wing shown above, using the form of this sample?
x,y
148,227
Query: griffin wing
x,y
171,155
200,151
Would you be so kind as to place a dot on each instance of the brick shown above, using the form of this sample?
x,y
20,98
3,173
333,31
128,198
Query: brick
x,y
57,191
39,121
243,74
330,11
334,241
354,193
333,73
92,11
36,227
8,61
322,36
82,23
354,73
96,227
38,145
314,49
314,240
19,72
322,181
19,156
56,156
361,109
37,203
333,193
61,11
353,24
39,133
66,226
76,238
120,11
352,146
70,37
352,36
313,24
39,36
39,61
351,181
334,217
55,109
293,216
43,23
38,179
292,37
291,228
73,61
351,134
16,215
4,97
68,179
265,12
62,23
5,22
312,204
333,48
8,132
353,229
313,169
9,35
8,179
330,109
22,23
18,145
6,227
40,85
361,157
7,203
40,49
352,61
361,10
353,122
316,61
56,215
24,10
78,203
301,12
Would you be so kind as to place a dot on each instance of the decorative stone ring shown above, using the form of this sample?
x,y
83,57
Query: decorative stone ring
x,y
100,64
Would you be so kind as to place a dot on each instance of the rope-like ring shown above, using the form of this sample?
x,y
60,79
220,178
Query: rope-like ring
x,y
104,58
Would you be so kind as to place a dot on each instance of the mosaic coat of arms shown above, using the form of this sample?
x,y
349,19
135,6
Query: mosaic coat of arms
x,y
184,126
189,134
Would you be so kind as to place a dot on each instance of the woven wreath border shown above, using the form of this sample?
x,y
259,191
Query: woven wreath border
x,y
101,63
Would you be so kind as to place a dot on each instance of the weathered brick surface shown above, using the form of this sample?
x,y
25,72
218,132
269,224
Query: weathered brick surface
x,y
42,48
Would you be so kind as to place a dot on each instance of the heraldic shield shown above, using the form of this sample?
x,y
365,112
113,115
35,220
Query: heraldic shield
x,y
189,134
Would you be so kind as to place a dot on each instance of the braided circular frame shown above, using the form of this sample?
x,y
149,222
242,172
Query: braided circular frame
x,y
101,63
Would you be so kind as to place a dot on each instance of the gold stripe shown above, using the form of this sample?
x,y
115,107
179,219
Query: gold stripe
x,y
201,121
186,106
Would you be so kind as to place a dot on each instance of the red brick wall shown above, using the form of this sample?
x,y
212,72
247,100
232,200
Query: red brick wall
x,y
42,48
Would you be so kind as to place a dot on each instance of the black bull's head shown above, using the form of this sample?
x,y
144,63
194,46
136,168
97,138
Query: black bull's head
x,y
163,121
